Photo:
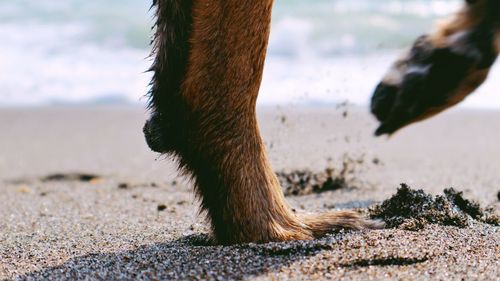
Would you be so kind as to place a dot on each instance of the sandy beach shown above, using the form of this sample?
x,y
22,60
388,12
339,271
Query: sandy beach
x,y
82,197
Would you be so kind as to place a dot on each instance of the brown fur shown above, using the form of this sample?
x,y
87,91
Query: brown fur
x,y
212,120
468,17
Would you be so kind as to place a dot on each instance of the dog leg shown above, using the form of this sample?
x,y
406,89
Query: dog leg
x,y
209,121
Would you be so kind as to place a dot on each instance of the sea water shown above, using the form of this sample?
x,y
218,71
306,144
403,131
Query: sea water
x,y
320,51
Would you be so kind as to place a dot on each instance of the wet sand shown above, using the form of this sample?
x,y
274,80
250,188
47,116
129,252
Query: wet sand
x,y
83,198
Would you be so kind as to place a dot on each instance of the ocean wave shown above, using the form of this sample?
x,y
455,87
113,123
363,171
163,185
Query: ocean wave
x,y
51,63
323,51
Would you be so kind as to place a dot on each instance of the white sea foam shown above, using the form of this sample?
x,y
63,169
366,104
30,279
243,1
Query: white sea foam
x,y
50,65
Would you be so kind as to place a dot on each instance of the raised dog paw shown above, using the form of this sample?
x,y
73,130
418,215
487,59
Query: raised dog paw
x,y
439,71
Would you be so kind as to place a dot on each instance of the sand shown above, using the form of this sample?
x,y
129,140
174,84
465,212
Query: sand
x,y
83,198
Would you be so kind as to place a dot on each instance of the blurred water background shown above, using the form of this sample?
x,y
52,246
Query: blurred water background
x,y
321,51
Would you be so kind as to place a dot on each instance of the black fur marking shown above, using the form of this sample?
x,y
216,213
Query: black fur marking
x,y
383,100
170,51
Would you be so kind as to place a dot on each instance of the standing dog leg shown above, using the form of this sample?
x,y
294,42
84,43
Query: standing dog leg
x,y
209,57
441,69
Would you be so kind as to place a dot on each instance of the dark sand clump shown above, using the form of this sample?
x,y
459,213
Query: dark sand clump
x,y
305,182
82,177
413,209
